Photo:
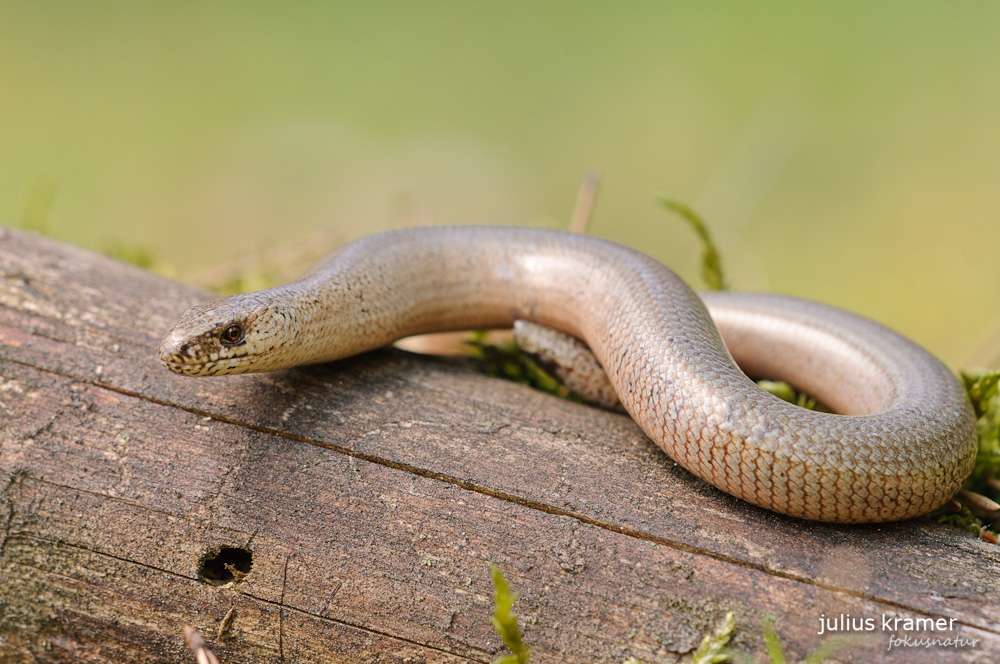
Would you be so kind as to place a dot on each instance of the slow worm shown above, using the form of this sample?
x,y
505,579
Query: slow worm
x,y
902,446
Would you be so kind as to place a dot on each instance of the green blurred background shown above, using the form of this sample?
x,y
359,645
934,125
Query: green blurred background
x,y
847,152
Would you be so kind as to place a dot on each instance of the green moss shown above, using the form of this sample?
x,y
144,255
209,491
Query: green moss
x,y
713,647
963,519
505,622
982,387
511,363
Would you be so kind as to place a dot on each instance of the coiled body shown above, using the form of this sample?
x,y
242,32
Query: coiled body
x,y
904,446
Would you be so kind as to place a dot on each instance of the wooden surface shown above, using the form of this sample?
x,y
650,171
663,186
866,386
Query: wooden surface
x,y
373,493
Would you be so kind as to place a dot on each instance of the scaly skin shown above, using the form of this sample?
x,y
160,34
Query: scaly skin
x,y
904,446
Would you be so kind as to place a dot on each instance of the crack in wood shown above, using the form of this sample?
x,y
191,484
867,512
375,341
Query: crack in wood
x,y
15,481
281,610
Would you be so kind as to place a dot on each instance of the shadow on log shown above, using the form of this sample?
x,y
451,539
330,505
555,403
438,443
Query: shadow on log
x,y
348,512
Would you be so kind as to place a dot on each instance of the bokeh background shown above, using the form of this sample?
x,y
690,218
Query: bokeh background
x,y
847,152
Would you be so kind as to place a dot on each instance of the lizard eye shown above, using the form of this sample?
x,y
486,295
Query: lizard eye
x,y
232,335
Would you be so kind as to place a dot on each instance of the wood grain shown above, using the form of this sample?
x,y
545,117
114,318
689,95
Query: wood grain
x,y
373,494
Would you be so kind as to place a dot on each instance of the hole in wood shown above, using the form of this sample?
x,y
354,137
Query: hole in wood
x,y
225,565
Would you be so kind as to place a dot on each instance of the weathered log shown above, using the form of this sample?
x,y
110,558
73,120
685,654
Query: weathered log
x,y
359,503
